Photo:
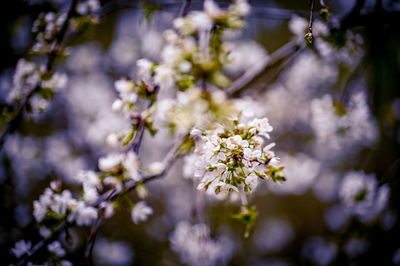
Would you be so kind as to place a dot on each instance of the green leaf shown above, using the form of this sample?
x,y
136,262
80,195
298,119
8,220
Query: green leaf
x,y
186,146
149,125
128,137
276,174
248,216
150,8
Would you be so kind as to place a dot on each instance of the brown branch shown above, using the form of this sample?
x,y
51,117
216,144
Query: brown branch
x,y
311,16
12,125
43,243
139,136
168,162
256,73
92,238
111,195
185,8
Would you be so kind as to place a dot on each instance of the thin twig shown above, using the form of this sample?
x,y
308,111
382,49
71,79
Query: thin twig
x,y
91,239
259,70
185,8
43,243
139,135
111,195
12,125
311,16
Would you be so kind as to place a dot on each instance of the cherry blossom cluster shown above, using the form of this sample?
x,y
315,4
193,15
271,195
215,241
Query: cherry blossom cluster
x,y
36,79
47,26
55,249
29,77
235,159
130,104
56,206
194,50
361,195
89,10
337,126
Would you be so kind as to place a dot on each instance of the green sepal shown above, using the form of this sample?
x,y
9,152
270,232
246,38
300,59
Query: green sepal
x,y
186,146
309,38
150,127
248,216
276,174
150,8
129,136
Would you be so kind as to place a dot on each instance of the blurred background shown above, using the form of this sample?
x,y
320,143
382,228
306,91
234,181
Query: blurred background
x,y
334,106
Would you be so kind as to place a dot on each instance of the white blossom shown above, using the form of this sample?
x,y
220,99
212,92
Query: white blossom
x,y
240,152
113,182
144,69
21,247
164,76
242,7
110,162
156,167
131,164
109,209
212,9
44,232
57,249
90,193
82,214
337,127
141,212
360,194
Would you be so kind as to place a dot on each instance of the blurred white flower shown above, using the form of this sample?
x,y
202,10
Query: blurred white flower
x,y
141,212
360,194
82,214
112,253
21,247
319,251
195,246
110,162
57,249
273,235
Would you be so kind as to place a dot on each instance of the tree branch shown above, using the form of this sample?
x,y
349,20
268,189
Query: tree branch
x,y
185,8
139,136
12,125
92,238
258,71
43,243
111,195
311,16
